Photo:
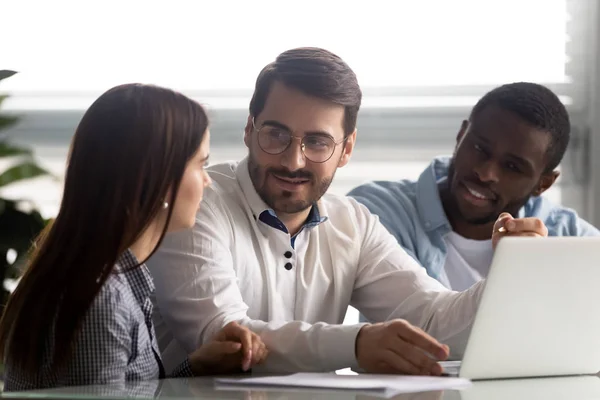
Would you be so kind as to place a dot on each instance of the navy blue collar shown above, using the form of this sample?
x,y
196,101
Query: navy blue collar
x,y
314,218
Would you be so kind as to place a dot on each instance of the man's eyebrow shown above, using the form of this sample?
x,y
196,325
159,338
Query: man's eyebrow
x,y
280,125
520,160
276,124
479,137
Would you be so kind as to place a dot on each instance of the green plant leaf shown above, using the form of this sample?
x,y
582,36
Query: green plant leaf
x,y
19,172
6,73
11,150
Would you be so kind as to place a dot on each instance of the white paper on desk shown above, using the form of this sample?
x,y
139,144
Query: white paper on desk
x,y
386,385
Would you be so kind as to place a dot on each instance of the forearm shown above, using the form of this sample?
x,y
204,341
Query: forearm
x,y
300,346
448,316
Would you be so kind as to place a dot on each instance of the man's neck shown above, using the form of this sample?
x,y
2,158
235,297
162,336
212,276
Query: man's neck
x,y
294,222
472,231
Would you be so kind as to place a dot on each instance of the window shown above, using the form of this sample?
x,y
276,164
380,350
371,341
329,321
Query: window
x,y
422,64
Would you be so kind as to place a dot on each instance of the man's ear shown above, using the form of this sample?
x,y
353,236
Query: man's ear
x,y
248,131
348,148
546,181
464,126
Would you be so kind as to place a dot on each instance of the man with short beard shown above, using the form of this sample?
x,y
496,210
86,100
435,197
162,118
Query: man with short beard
x,y
505,157
275,252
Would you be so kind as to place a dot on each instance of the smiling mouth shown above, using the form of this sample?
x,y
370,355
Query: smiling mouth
x,y
295,181
479,194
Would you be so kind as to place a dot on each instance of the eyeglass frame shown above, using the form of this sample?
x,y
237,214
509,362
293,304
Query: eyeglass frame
x,y
302,145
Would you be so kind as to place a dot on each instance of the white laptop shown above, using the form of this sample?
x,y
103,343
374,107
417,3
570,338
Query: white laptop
x,y
539,313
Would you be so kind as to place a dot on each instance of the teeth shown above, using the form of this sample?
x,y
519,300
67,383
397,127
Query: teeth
x,y
477,194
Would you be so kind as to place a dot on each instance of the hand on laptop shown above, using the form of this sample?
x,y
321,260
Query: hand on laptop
x,y
397,347
506,225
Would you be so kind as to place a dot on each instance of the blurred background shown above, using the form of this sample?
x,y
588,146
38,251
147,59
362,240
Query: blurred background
x,y
422,66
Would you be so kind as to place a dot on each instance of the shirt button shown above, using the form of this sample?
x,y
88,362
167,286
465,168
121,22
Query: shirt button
x,y
287,254
288,266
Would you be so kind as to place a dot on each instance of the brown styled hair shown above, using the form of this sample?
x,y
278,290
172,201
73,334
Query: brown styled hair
x,y
315,72
128,154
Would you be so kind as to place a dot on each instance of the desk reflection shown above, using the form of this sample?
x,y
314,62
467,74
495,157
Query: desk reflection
x,y
203,388
565,388
199,388
559,388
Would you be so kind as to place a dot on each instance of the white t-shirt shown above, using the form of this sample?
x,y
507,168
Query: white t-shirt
x,y
467,261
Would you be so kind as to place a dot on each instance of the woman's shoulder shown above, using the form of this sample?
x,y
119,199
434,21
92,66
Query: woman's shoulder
x,y
114,300
111,303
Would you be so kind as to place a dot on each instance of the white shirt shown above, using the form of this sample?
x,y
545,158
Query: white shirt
x,y
231,267
467,261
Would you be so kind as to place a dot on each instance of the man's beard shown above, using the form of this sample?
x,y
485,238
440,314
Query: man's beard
x,y
277,202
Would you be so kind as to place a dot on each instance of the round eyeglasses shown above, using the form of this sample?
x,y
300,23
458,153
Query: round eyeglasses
x,y
316,147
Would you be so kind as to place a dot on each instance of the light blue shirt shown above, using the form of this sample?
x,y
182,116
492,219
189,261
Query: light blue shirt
x,y
413,213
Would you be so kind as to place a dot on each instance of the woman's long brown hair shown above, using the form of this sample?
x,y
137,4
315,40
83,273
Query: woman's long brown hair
x,y
127,156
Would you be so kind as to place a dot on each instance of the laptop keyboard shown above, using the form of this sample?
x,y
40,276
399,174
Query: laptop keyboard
x,y
451,368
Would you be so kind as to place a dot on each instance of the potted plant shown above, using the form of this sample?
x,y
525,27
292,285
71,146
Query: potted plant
x,y
20,223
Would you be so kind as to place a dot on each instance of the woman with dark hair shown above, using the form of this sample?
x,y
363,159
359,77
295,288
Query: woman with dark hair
x,y
82,312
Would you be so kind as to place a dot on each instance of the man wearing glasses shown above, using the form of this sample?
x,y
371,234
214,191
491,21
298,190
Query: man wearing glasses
x,y
273,251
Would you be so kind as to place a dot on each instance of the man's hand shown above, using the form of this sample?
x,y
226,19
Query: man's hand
x,y
506,225
235,348
397,347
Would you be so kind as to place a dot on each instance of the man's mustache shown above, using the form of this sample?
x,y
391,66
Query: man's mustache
x,y
284,173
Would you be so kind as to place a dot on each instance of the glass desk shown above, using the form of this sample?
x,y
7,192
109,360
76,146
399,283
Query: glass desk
x,y
563,388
